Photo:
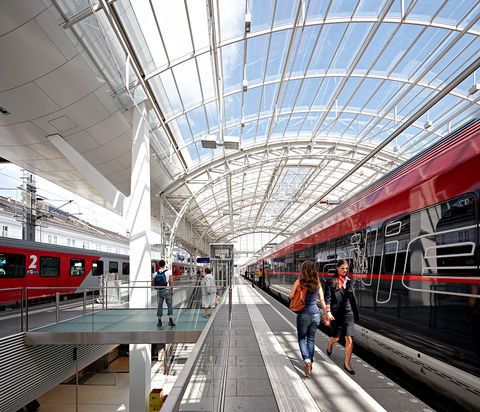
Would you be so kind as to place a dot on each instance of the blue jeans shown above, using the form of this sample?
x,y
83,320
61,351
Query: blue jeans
x,y
307,324
164,295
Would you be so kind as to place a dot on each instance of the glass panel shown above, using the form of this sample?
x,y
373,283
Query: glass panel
x,y
307,93
317,9
197,13
206,76
232,59
295,124
262,13
252,102
12,265
162,98
110,57
174,28
73,7
171,91
112,267
326,47
290,92
280,125
49,266
77,267
372,53
188,83
285,12
257,52
277,54
97,268
349,46
146,42
232,19
344,8
269,94
184,128
369,8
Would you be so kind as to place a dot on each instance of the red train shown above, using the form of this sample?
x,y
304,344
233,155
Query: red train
x,y
58,269
412,241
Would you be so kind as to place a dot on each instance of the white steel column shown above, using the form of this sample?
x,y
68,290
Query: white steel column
x,y
139,220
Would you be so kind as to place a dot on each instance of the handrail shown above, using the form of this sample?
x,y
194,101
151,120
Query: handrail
x,y
24,302
180,386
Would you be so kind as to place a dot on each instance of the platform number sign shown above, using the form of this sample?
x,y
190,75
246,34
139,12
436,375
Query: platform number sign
x,y
32,268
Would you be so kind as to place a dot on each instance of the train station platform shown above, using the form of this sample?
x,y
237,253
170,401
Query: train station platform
x,y
253,364
265,370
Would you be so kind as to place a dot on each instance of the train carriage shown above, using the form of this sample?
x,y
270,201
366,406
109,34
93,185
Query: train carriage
x,y
412,242
46,269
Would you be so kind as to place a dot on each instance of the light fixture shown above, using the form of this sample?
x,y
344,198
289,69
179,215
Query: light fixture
x,y
209,141
330,202
248,22
428,123
474,89
231,142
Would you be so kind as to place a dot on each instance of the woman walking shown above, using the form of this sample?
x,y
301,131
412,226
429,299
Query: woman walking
x,y
308,318
342,311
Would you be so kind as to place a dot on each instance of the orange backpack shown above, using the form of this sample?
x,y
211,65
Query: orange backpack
x,y
297,296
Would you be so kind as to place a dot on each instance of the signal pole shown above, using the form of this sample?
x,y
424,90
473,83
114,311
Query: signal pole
x,y
29,201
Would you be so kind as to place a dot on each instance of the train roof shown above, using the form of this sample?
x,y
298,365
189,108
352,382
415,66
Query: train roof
x,y
49,247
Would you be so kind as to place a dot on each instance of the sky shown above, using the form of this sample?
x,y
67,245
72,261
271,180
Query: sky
x,y
11,179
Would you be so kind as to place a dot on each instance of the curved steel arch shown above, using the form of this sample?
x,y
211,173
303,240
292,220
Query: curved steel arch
x,y
344,159
259,149
218,179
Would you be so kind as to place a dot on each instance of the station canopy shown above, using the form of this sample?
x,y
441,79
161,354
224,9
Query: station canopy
x,y
266,113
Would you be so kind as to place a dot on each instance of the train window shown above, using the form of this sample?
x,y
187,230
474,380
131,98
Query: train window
x,y
125,268
49,266
445,239
392,229
112,267
77,267
97,267
345,249
326,261
12,265
397,238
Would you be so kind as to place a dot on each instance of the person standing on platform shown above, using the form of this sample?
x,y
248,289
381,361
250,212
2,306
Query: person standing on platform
x,y
342,311
260,278
163,282
308,318
209,292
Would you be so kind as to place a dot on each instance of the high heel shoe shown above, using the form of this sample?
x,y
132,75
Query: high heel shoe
x,y
329,353
350,371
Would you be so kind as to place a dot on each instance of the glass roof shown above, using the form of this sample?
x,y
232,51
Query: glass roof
x,y
310,88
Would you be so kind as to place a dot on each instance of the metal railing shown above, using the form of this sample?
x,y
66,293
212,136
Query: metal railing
x,y
110,297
